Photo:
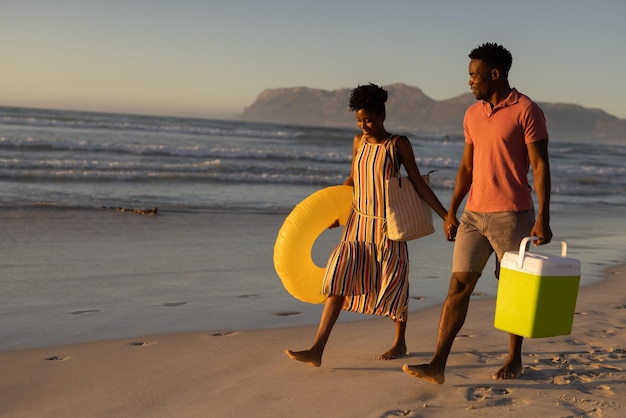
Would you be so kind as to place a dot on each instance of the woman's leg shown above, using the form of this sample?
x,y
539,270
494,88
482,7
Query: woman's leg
x,y
399,344
313,356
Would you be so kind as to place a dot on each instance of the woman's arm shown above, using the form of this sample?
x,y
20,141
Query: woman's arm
x,y
407,159
350,179
355,147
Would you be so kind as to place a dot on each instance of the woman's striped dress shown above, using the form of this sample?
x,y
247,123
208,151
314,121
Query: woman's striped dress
x,y
371,270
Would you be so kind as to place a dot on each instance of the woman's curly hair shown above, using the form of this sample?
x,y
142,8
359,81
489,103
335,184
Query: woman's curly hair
x,y
369,97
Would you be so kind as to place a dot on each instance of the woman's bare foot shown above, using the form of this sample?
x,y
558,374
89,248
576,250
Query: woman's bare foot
x,y
511,370
306,356
394,353
426,372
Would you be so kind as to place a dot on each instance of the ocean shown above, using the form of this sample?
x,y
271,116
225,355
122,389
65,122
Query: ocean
x,y
69,160
86,160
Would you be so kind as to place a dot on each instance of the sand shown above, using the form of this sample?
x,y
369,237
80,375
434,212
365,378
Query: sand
x,y
243,372
240,374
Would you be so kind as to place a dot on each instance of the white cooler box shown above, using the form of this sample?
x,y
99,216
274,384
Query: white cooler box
x,y
537,292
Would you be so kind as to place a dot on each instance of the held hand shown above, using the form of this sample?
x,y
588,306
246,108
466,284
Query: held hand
x,y
334,224
450,227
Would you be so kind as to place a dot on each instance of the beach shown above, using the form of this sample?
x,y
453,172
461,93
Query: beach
x,y
119,330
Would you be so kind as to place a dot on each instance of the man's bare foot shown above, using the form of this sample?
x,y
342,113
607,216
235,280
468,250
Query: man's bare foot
x,y
509,371
306,356
393,353
426,372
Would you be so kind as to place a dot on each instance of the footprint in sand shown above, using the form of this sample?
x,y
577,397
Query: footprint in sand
x,y
617,353
173,304
141,343
551,360
253,295
575,342
608,367
85,312
288,313
600,333
483,358
564,379
400,413
479,294
606,389
56,358
223,334
493,395
424,398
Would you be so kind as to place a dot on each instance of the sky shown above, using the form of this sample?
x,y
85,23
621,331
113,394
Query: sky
x,y
212,58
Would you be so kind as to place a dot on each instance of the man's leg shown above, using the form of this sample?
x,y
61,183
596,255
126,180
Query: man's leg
x,y
512,369
452,318
506,231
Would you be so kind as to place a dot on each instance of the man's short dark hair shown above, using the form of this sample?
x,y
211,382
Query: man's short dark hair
x,y
494,55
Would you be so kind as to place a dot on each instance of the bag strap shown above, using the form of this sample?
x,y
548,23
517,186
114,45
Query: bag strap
x,y
397,160
394,150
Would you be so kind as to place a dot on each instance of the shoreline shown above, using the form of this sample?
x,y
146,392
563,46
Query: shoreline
x,y
73,276
245,373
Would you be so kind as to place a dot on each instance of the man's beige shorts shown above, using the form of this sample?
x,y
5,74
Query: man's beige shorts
x,y
480,234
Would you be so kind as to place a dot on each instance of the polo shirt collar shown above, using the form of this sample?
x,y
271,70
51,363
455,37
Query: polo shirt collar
x,y
510,100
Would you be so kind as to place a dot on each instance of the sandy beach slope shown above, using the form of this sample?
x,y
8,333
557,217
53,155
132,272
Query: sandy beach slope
x,y
245,373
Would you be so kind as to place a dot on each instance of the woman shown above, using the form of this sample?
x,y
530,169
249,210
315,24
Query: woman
x,y
367,272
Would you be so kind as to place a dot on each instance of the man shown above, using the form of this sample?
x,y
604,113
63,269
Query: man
x,y
505,132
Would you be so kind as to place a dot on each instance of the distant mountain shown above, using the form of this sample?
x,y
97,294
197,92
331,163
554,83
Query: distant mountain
x,y
410,110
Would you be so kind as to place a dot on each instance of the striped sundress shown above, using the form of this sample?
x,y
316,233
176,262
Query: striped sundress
x,y
366,267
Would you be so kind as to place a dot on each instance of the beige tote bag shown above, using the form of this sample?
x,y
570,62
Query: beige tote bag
x,y
408,216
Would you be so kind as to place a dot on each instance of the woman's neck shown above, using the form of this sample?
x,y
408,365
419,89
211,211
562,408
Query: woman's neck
x,y
380,138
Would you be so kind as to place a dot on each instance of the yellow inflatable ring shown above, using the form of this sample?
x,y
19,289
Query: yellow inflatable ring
x,y
293,260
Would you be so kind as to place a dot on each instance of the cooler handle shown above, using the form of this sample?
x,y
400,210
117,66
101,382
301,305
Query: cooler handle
x,y
522,249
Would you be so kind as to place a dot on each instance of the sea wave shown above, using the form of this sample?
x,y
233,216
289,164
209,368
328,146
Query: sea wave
x,y
157,124
204,149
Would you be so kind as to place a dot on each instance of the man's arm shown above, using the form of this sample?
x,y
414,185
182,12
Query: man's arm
x,y
538,155
461,188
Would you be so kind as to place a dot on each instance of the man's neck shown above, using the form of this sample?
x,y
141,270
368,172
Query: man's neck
x,y
500,95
